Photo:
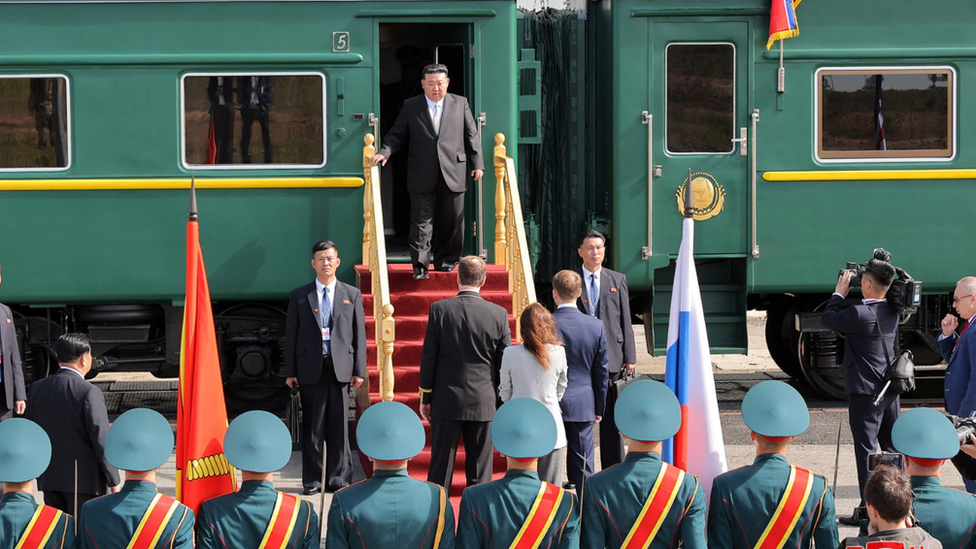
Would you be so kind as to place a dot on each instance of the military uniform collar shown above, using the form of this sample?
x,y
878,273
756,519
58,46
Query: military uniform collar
x,y
138,486
762,458
10,496
925,482
251,486
513,473
384,473
633,457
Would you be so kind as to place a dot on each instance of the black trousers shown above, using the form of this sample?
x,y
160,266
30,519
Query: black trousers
x,y
443,447
449,237
871,428
580,453
249,116
324,408
65,501
611,444
223,121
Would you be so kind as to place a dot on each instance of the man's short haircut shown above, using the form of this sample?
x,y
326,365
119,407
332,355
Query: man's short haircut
x,y
567,284
324,245
890,493
591,234
70,347
881,272
969,283
435,68
471,271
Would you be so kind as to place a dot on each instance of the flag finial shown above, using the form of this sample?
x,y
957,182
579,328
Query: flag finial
x,y
689,200
192,211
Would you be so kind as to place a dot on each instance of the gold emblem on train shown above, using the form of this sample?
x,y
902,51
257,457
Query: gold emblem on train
x,y
707,196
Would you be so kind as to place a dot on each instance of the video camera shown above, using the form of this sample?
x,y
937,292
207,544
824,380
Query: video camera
x,y
905,293
965,464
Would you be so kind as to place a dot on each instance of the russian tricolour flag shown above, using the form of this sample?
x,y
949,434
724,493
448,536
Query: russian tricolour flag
x,y
698,447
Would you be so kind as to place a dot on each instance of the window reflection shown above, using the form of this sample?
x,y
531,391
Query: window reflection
x,y
33,122
700,98
254,119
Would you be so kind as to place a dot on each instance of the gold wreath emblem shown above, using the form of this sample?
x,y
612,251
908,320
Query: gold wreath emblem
x,y
707,196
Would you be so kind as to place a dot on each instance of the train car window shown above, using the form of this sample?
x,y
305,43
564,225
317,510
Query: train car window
x,y
886,114
700,114
34,122
253,120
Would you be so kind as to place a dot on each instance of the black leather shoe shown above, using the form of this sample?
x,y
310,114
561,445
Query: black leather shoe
x,y
446,268
569,486
860,513
312,491
420,272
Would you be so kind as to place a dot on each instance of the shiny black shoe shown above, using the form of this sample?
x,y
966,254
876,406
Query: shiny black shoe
x,y
420,272
860,513
312,491
446,268
569,486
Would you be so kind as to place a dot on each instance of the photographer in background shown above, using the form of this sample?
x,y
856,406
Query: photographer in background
x,y
889,495
959,352
865,363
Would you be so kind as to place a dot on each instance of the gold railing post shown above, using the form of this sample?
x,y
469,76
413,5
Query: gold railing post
x,y
501,251
368,151
386,350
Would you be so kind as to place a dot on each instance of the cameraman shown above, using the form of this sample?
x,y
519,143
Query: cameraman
x,y
865,364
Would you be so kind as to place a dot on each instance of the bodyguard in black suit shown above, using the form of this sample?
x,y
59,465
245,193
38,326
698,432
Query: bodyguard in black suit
x,y
72,412
459,369
325,352
612,305
442,137
583,404
12,395
864,362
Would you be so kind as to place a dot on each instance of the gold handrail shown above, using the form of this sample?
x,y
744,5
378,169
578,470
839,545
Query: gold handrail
x,y
374,257
509,224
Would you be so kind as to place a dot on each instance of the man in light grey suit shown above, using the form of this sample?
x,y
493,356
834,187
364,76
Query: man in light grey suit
x,y
325,353
442,137
13,397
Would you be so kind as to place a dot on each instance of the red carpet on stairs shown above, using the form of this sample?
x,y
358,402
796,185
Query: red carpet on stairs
x,y
411,301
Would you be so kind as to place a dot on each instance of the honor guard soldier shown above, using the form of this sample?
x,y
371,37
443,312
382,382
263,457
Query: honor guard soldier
x,y
137,516
771,504
391,509
643,502
257,516
927,438
519,511
25,452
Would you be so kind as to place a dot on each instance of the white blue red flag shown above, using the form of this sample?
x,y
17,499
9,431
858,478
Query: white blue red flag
x,y
698,447
782,21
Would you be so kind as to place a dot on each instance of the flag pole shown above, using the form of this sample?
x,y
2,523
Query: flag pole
x,y
781,75
192,210
689,200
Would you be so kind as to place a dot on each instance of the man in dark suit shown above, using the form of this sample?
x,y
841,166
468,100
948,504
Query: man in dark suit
x,y
13,397
255,97
606,297
865,365
584,339
459,370
442,137
325,352
960,355
220,91
72,412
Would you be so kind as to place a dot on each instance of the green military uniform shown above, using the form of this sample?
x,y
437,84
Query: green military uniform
x,y
256,442
613,499
390,510
493,514
139,440
744,500
239,520
25,452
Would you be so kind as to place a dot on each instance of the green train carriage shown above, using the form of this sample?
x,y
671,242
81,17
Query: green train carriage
x,y
108,108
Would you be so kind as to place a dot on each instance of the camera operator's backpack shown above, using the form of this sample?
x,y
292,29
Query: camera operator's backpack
x,y
900,375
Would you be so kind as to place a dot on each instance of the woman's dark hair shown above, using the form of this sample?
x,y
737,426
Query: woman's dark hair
x,y
538,329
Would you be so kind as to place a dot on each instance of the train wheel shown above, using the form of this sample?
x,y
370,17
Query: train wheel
x,y
781,335
821,354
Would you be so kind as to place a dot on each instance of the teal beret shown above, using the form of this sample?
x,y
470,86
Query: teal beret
x,y
139,440
647,411
390,431
523,428
925,433
774,409
258,442
25,450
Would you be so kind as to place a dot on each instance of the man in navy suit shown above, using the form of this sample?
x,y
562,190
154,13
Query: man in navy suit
x,y
865,364
325,353
605,296
442,136
583,404
13,398
960,355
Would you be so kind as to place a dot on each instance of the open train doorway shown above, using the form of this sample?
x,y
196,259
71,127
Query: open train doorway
x,y
404,50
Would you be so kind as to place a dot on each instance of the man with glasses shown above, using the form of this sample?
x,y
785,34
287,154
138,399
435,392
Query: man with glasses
x,y
865,364
959,351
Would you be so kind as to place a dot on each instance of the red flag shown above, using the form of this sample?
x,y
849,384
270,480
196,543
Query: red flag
x,y
202,471
782,21
211,144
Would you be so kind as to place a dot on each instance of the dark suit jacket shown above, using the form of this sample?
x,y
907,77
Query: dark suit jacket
x,y
448,152
265,91
72,412
960,378
13,372
303,334
585,341
615,314
864,359
466,338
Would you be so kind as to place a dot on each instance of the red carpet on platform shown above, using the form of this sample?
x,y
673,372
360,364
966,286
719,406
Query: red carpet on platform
x,y
411,301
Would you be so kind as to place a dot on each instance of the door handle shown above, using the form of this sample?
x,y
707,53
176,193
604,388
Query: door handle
x,y
743,141
648,120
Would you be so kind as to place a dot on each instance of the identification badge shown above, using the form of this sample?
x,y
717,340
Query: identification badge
x,y
326,334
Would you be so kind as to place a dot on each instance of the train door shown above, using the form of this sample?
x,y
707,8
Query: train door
x,y
700,122
404,50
